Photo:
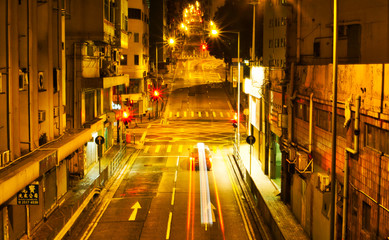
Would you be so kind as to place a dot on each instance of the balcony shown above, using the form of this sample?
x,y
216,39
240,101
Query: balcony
x,y
105,82
121,39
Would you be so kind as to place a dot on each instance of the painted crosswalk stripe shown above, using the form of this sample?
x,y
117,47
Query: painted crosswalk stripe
x,y
206,114
170,114
180,149
229,114
199,114
157,148
192,114
169,148
221,114
214,114
146,149
185,114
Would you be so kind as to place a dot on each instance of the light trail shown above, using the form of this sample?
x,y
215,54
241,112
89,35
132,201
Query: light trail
x,y
205,199
219,207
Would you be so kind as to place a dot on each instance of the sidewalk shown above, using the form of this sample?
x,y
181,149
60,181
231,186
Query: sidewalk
x,y
279,218
77,198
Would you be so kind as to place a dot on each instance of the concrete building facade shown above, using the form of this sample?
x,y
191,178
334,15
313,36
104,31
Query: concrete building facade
x,y
59,72
295,98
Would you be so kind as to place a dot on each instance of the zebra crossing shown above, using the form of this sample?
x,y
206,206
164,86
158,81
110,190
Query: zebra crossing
x,y
177,149
200,114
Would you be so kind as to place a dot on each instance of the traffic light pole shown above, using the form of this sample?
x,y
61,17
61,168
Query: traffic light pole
x,y
118,122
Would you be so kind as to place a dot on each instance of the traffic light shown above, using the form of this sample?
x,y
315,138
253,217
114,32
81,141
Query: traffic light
x,y
204,46
127,116
156,94
235,121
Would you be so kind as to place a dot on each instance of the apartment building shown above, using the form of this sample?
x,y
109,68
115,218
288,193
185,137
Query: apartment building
x,y
135,59
296,110
58,74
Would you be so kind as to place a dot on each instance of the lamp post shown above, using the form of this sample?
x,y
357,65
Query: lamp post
x,y
215,32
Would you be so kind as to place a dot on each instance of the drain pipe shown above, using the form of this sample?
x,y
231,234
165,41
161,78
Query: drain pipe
x,y
348,151
7,27
310,122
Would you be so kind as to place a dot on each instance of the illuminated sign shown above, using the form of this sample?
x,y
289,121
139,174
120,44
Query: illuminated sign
x,y
116,106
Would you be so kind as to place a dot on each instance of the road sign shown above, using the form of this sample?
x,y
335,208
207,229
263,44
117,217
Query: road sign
x,y
29,195
250,139
99,140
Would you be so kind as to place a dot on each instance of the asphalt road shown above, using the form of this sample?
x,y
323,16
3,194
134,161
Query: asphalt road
x,y
158,195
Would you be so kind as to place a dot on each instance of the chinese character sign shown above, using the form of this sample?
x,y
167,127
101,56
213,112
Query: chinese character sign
x,y
29,195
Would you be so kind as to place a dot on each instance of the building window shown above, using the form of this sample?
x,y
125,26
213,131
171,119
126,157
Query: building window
x,y
302,111
282,42
366,211
136,37
271,23
89,106
341,131
271,43
106,9
136,59
276,45
323,119
377,138
134,13
316,49
123,59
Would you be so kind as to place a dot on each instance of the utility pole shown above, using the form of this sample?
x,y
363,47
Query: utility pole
x,y
334,107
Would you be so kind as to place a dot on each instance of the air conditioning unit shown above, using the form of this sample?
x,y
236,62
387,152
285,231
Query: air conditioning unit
x,y
56,111
23,80
292,154
4,158
41,116
302,160
40,80
323,182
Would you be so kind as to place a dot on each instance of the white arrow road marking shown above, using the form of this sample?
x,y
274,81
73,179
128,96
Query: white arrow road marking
x,y
136,206
213,213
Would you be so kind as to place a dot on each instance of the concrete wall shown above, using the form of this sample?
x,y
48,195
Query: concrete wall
x,y
369,170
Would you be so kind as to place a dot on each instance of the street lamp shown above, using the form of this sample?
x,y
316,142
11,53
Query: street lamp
x,y
214,32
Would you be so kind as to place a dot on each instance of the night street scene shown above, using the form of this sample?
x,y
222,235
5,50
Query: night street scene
x,y
192,120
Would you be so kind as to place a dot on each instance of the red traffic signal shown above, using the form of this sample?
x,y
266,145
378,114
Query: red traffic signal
x,y
156,94
127,116
204,46
235,121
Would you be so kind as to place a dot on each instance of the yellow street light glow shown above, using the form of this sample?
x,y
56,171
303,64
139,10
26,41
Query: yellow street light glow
x,y
214,32
171,41
211,23
182,25
186,28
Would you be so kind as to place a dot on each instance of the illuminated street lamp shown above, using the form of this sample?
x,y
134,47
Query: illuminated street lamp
x,y
237,135
171,41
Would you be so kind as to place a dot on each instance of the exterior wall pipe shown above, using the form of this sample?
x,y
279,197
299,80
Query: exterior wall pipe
x,y
310,122
298,31
348,151
29,77
7,27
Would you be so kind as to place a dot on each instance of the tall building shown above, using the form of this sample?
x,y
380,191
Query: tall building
x,y
135,59
58,75
34,143
297,113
